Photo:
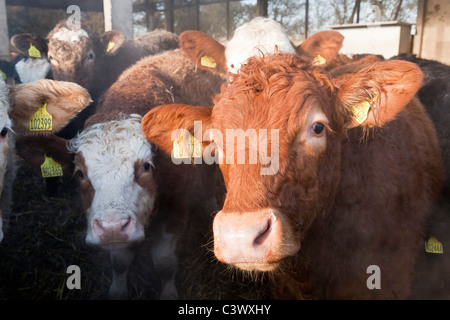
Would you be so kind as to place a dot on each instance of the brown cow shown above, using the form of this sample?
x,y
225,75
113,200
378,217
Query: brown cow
x,y
352,173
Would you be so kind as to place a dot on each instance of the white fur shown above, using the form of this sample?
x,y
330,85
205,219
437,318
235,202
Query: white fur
x,y
6,143
260,34
70,35
32,69
110,150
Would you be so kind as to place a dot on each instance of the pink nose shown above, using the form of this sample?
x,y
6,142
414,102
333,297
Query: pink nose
x,y
248,240
113,229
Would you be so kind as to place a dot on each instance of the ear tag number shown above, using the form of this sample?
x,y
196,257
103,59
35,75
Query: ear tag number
x,y
50,168
41,120
191,149
208,62
33,52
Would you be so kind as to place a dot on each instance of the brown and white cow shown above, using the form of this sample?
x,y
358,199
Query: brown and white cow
x,y
18,104
353,171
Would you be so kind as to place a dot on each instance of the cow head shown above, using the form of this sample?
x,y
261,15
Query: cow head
x,y
292,111
254,39
72,52
113,162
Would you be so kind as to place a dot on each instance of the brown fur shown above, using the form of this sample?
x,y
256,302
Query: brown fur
x,y
361,202
166,78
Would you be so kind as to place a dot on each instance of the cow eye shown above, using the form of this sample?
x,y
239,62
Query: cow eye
x,y
318,127
146,166
90,56
4,132
80,174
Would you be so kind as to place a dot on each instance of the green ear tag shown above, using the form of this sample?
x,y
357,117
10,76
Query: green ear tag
x,y
2,75
33,52
41,120
50,168
110,46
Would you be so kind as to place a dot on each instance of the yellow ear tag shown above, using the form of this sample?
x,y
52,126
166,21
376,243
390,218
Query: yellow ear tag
x,y
2,75
361,110
50,168
208,61
433,245
111,45
41,120
33,52
319,60
193,146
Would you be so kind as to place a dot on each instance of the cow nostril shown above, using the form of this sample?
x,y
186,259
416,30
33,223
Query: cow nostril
x,y
98,227
264,234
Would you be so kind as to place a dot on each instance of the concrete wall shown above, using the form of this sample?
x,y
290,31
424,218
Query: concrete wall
x,y
432,40
386,38
119,16
4,37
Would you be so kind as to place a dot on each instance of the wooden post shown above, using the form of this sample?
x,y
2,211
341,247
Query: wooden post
x,y
306,18
229,24
262,8
4,36
170,20
119,16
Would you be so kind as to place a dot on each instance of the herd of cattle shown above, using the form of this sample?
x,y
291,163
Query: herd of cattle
x,y
362,159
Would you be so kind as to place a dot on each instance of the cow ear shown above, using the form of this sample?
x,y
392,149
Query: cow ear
x,y
112,41
165,124
35,150
46,106
322,47
30,45
203,51
376,94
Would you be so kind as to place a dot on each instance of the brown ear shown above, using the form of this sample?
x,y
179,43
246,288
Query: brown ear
x,y
376,94
203,51
30,45
34,148
111,41
322,47
63,101
162,122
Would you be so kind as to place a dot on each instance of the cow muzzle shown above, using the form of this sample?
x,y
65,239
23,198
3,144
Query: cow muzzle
x,y
252,240
114,232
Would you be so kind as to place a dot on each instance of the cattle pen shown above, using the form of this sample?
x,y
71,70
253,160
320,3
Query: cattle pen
x,y
142,55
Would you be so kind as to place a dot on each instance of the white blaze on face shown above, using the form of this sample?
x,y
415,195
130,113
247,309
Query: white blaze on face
x,y
115,154
70,35
32,69
258,35
5,123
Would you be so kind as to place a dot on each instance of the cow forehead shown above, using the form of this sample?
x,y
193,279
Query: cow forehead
x,y
70,35
260,100
260,34
112,147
